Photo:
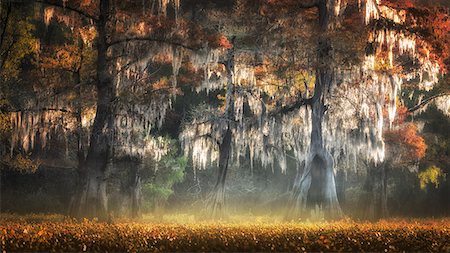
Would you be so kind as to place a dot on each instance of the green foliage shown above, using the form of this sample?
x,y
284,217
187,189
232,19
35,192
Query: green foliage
x,y
432,175
19,42
169,171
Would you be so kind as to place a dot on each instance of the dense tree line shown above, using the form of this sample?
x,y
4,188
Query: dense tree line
x,y
142,100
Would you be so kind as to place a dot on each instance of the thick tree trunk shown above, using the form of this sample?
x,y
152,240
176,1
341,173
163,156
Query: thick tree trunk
x,y
93,202
317,179
315,187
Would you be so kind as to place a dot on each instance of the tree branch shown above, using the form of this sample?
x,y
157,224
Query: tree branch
x,y
283,110
67,7
208,136
291,107
427,101
149,39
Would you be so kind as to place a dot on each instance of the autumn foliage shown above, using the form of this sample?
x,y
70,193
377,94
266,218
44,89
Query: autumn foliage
x,y
432,24
345,236
407,139
219,41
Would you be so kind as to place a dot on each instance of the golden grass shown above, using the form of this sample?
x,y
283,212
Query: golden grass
x,y
63,234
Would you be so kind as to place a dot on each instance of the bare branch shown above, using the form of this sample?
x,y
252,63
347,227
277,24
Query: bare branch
x,y
282,110
427,101
207,136
291,107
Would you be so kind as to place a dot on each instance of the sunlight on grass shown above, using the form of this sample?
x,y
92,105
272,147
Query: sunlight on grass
x,y
244,233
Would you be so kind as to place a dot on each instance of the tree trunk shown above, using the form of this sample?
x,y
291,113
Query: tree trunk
x,y
218,198
219,188
341,185
376,189
367,200
136,193
319,162
98,162
383,192
81,173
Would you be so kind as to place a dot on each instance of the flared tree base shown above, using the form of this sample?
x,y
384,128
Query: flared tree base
x,y
314,190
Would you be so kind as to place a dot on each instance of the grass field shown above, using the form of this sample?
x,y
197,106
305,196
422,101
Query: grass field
x,y
56,233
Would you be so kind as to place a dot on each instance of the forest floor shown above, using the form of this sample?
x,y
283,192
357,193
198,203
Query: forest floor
x,y
58,233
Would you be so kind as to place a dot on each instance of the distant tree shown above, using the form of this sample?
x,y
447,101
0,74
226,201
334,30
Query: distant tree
x,y
250,89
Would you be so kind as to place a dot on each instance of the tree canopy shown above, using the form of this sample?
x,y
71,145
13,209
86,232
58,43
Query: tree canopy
x,y
119,88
